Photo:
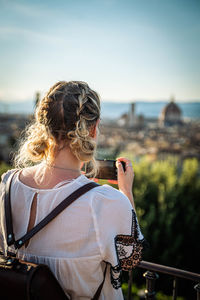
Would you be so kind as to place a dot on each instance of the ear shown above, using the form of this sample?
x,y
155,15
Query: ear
x,y
93,129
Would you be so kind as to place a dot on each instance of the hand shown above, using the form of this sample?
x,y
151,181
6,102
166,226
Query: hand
x,y
125,179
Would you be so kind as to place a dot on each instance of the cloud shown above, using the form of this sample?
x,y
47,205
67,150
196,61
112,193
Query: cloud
x,y
10,31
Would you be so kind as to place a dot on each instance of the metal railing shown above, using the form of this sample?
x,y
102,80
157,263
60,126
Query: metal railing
x,y
151,276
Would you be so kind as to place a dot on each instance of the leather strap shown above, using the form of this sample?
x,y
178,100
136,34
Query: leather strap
x,y
56,211
98,292
8,213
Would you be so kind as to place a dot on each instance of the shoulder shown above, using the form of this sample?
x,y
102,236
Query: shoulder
x,y
4,178
109,192
107,197
6,175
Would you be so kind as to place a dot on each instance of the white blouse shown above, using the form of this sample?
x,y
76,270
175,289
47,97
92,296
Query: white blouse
x,y
100,226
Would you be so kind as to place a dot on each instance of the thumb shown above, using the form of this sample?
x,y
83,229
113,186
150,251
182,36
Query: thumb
x,y
119,167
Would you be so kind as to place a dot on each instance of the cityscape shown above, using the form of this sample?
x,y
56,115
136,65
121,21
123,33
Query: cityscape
x,y
135,135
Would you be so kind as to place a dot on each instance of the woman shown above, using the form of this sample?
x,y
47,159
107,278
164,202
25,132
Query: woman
x,y
97,229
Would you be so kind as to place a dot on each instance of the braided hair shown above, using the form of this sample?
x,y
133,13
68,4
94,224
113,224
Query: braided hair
x,y
65,116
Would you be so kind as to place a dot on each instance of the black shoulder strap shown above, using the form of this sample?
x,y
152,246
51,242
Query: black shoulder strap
x,y
98,292
8,213
56,211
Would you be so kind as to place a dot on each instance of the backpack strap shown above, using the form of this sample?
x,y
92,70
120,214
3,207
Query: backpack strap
x,y
8,213
98,292
56,211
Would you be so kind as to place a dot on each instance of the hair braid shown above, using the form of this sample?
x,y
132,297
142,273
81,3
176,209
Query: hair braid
x,y
82,144
65,116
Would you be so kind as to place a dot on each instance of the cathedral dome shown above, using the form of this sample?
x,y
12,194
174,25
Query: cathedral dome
x,y
171,114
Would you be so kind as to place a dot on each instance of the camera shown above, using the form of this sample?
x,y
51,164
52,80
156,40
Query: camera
x,y
108,169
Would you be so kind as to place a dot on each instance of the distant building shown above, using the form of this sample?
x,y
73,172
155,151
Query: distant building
x,y
171,114
123,120
130,119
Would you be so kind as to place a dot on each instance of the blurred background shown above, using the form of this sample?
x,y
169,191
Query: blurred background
x,y
142,57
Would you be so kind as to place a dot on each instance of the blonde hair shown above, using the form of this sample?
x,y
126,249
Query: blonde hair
x,y
65,116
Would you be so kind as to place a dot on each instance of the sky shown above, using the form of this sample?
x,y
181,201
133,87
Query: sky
x,y
125,49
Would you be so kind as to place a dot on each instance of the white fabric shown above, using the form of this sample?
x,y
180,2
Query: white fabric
x,y
76,243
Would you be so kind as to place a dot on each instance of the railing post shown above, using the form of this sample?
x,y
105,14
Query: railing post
x,y
150,284
197,288
174,296
130,280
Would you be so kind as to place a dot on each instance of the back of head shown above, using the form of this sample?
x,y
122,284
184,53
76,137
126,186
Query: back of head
x,y
64,117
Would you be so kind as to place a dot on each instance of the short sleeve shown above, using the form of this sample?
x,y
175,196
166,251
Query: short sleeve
x,y
118,232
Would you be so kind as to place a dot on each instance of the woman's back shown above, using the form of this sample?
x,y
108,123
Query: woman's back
x,y
77,242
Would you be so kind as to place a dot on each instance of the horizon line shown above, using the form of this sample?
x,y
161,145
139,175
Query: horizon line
x,y
113,100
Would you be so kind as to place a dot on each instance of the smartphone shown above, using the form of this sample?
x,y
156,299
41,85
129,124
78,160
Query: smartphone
x,y
108,169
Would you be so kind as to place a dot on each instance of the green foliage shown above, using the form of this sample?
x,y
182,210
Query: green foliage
x,y
161,296
167,197
167,207
138,292
134,291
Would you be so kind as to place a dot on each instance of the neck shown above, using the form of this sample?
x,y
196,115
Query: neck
x,y
66,161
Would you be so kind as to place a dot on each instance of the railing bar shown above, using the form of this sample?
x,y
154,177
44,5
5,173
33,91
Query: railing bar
x,y
169,270
174,296
197,288
150,284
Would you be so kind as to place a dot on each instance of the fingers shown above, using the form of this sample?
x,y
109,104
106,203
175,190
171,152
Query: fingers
x,y
125,160
119,167
125,178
